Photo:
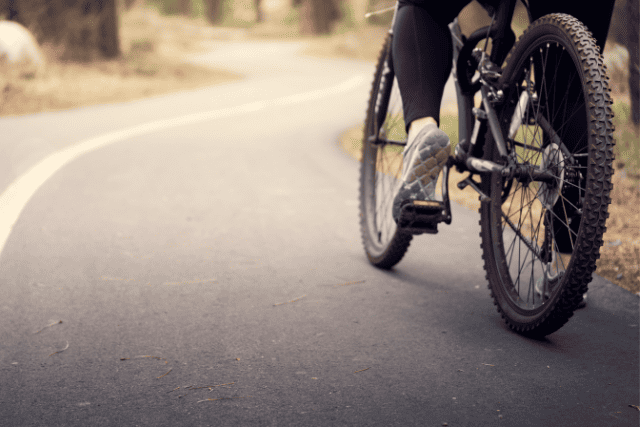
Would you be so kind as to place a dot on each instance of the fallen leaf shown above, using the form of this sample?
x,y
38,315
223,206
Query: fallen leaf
x,y
48,326
60,351
207,386
293,300
145,357
349,283
189,282
165,374
222,398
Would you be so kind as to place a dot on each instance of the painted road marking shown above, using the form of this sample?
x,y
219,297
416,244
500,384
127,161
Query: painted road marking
x,y
18,194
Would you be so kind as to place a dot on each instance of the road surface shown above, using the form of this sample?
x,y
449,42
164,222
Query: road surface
x,y
195,259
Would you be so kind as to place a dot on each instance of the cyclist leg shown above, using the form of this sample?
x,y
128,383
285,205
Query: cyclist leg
x,y
422,56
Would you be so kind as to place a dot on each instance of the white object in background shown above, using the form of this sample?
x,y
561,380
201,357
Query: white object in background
x,y
17,45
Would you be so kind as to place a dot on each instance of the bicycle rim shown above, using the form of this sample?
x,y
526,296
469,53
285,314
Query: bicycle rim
x,y
541,239
381,169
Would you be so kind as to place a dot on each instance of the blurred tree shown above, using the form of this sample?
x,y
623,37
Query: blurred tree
x,y
8,10
318,16
184,7
383,19
81,29
624,31
259,11
632,42
108,33
357,9
214,10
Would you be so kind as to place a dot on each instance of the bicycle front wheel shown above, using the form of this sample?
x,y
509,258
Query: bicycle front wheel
x,y
541,239
381,168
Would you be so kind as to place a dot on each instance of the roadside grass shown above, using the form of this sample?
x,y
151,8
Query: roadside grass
x,y
152,64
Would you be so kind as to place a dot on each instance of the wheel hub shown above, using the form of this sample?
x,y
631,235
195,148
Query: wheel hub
x,y
552,161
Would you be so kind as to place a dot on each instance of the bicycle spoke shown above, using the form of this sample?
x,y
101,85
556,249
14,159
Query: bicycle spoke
x,y
531,231
565,224
521,215
522,237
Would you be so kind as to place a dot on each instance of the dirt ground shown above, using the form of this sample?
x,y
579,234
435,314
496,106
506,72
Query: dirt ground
x,y
152,64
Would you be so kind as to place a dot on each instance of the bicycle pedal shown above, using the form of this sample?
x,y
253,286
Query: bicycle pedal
x,y
421,216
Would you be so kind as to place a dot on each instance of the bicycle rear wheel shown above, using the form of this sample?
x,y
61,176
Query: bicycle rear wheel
x,y
381,168
541,240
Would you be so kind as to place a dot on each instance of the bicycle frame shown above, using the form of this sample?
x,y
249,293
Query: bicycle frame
x,y
470,119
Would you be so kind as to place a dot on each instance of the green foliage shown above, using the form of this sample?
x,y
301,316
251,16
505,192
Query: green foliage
x,y
238,13
347,15
383,19
197,8
292,17
165,7
449,124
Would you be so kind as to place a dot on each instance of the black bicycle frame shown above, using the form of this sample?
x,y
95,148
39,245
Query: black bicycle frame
x,y
470,120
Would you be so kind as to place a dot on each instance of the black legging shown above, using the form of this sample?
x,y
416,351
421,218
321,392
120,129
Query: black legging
x,y
422,47
422,54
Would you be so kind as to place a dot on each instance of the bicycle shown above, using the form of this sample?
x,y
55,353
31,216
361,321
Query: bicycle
x,y
541,144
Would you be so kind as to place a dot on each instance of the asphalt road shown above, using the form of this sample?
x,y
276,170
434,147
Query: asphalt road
x,y
202,253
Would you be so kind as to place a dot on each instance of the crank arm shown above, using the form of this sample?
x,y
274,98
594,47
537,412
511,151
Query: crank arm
x,y
471,183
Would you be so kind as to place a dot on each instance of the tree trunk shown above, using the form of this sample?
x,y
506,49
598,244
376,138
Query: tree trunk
x,y
259,11
128,4
108,35
214,11
82,29
10,9
633,40
317,16
185,7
